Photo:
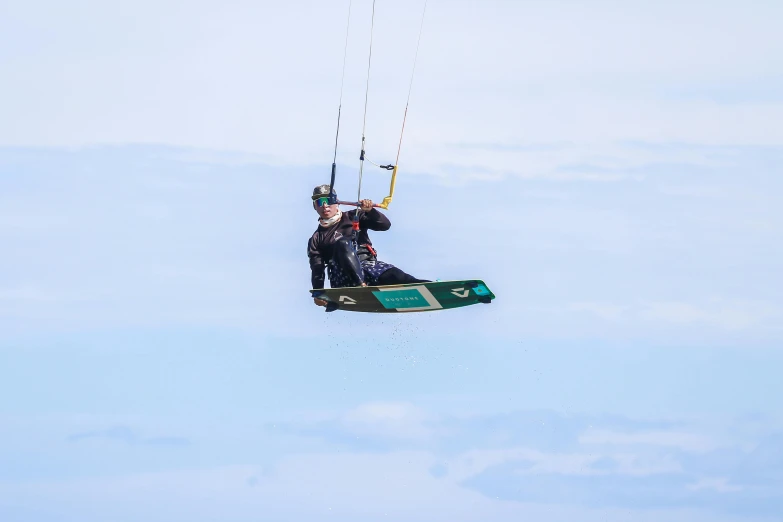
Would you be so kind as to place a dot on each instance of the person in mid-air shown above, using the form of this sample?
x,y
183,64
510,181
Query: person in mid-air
x,y
331,247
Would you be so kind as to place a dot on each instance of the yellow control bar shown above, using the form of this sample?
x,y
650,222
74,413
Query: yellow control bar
x,y
385,203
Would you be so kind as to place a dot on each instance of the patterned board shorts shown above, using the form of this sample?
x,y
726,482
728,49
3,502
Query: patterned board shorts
x,y
372,271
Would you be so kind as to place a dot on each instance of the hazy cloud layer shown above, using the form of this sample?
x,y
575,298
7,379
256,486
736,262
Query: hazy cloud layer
x,y
512,464
544,457
151,235
265,78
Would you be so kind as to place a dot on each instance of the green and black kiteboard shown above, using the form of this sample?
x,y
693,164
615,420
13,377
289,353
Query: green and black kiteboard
x,y
415,297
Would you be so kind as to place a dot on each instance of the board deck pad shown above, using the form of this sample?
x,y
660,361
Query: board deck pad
x,y
414,297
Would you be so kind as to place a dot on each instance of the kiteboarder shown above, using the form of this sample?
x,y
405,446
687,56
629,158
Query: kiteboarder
x,y
332,249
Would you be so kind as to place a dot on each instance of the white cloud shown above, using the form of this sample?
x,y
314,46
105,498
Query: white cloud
x,y
606,311
388,419
582,463
682,440
726,314
26,294
729,315
719,485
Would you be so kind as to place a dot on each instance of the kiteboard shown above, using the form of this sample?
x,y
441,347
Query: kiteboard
x,y
414,297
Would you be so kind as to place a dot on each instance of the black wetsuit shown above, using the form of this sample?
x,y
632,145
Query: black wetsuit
x,y
332,247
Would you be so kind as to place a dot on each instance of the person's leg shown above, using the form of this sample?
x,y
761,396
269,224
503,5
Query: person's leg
x,y
395,276
346,257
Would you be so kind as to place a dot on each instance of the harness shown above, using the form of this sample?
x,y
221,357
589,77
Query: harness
x,y
366,253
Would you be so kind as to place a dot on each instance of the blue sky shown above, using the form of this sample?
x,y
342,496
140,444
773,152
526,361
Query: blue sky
x,y
611,171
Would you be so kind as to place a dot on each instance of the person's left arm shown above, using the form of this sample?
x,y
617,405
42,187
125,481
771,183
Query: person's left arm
x,y
372,218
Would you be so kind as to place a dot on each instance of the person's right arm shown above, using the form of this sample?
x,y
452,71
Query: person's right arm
x,y
317,269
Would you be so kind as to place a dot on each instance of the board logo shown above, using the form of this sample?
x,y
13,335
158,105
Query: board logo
x,y
347,300
460,292
407,299
403,299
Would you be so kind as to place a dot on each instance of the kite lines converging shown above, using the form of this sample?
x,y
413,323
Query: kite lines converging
x,y
362,156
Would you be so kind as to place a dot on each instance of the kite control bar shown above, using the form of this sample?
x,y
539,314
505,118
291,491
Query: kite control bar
x,y
356,204
383,204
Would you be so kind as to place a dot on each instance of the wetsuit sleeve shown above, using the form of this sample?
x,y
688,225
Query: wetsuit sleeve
x,y
316,265
375,220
